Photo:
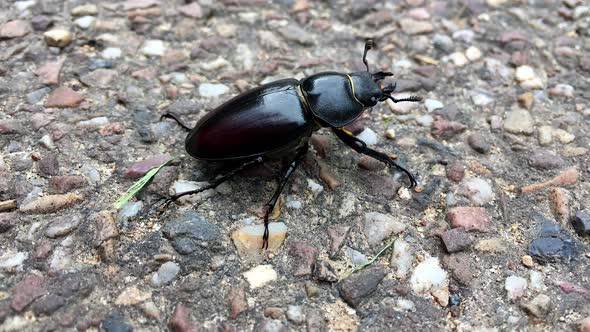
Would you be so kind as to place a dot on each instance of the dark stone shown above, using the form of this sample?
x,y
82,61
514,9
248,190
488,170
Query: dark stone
x,y
143,118
48,304
455,171
115,322
180,320
96,63
41,22
189,232
361,284
7,221
478,143
305,256
545,160
26,291
553,244
49,165
325,272
456,239
21,163
581,223
460,266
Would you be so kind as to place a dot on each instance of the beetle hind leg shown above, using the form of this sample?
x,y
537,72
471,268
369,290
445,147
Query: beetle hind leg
x,y
360,147
214,184
289,170
170,115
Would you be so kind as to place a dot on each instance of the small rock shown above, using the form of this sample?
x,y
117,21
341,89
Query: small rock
x,y
563,90
63,226
132,296
519,122
456,239
568,176
337,235
237,302
425,120
41,22
10,261
294,33
368,136
481,99
49,165
473,53
58,37
552,244
86,9
378,226
111,53
402,258
101,78
305,257
66,183
130,210
460,266
536,280
414,27
361,284
50,203
248,239
470,218
526,100
515,287
49,72
189,232
209,90
63,97
581,223
48,304
478,143
563,136
429,278
273,312
153,47
139,169
433,104
455,171
165,274
84,22
323,271
260,276
545,160
538,307
295,314
528,78
459,59
26,291
477,190
139,4
14,29
442,128
192,10
180,321
527,261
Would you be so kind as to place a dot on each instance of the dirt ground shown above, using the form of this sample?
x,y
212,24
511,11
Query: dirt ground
x,y
494,238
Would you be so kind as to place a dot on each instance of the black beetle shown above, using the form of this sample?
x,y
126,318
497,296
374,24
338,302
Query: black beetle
x,y
277,119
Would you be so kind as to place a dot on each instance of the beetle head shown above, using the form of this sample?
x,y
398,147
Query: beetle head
x,y
370,91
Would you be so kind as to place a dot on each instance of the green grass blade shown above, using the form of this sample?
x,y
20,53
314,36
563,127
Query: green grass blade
x,y
139,184
374,258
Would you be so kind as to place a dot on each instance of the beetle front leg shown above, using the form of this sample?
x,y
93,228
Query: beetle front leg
x,y
215,182
282,183
360,147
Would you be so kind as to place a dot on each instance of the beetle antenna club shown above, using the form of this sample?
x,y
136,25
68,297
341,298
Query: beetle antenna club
x,y
276,121
369,44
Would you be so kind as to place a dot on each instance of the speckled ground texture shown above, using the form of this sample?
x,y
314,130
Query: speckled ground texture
x,y
495,237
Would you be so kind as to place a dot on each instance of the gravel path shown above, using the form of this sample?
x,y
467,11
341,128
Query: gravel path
x,y
495,238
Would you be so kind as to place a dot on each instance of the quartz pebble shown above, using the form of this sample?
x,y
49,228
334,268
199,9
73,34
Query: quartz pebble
x,y
429,278
153,47
260,275
515,287
378,226
165,274
248,239
58,37
212,90
477,190
402,258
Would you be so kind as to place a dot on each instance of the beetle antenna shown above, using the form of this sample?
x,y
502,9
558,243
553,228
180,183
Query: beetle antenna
x,y
410,98
369,44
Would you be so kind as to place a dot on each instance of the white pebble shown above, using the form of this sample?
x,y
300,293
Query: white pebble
x,y
212,90
525,73
536,280
429,277
478,191
24,5
433,104
515,287
10,261
425,120
368,136
481,99
153,47
402,258
260,275
459,59
111,53
315,187
473,53
85,22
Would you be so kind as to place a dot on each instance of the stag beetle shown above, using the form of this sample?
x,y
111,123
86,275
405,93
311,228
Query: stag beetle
x,y
276,120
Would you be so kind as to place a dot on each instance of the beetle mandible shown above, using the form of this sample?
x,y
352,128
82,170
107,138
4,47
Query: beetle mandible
x,y
276,120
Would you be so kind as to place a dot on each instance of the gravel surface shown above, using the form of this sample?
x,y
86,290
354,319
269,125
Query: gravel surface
x,y
495,237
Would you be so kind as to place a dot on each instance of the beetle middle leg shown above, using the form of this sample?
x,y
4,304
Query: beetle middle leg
x,y
215,183
170,115
360,147
282,183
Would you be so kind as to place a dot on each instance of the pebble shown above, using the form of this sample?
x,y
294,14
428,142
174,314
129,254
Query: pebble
x,y
273,312
584,325
314,187
470,218
93,123
479,143
433,104
58,37
355,288
11,261
563,90
455,171
295,314
212,90
402,258
494,245
14,29
442,128
86,9
111,53
473,53
50,203
323,271
536,280
481,99
305,257
132,296
180,320
189,232
48,304
26,291
552,244
130,210
36,96
85,22
63,97
538,307
23,5
526,100
527,78
545,135
165,274
478,190
378,226
545,160
443,42
337,235
456,239
425,120
459,59
63,226
527,261
41,22
581,223
192,10
100,77
415,27
139,169
248,239
153,47
519,122
293,32
368,136
237,302
49,72
429,278
563,136
515,287
464,35
260,276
